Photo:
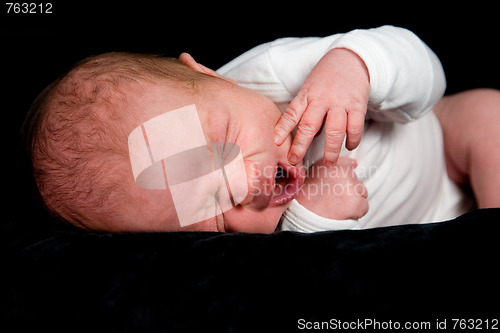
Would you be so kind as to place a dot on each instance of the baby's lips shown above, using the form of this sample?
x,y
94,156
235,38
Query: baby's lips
x,y
296,177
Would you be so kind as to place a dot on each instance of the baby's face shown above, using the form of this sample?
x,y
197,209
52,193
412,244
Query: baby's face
x,y
272,181
228,113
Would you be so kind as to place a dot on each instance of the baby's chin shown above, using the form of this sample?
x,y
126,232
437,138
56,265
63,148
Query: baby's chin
x,y
243,219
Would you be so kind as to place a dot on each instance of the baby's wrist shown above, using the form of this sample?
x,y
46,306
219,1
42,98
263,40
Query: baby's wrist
x,y
349,57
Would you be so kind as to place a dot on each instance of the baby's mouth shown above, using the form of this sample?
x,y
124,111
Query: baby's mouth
x,y
287,183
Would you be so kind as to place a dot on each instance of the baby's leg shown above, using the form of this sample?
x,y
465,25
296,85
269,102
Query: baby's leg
x,y
471,130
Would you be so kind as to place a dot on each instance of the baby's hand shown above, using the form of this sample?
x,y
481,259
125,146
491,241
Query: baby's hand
x,y
334,192
337,88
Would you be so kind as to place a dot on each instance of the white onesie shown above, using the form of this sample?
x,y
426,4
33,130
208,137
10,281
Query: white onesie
x,y
400,158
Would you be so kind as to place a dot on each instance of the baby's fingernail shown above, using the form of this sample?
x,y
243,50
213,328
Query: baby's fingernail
x,y
328,164
277,139
294,159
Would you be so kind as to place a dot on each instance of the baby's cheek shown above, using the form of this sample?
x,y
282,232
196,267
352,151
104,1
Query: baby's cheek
x,y
244,184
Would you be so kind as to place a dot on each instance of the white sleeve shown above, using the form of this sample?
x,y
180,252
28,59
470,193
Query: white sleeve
x,y
298,218
406,77
278,69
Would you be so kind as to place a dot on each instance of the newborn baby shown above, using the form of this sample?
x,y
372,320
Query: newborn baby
x,y
78,129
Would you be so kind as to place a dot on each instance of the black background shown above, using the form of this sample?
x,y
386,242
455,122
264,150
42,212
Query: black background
x,y
139,282
37,48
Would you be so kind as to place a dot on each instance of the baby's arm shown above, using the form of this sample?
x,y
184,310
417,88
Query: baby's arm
x,y
406,77
407,80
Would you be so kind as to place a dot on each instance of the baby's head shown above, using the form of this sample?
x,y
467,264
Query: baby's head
x,y
77,137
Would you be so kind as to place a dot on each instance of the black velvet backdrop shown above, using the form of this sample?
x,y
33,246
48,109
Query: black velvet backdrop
x,y
57,277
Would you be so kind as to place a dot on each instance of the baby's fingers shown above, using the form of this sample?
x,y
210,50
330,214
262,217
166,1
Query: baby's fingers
x,y
355,128
335,129
289,119
308,127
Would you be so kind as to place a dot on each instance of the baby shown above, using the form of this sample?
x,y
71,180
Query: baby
x,y
79,126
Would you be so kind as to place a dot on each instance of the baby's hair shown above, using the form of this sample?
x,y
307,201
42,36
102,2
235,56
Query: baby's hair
x,y
76,134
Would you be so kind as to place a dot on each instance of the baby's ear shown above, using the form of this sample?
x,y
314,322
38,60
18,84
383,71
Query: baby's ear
x,y
187,60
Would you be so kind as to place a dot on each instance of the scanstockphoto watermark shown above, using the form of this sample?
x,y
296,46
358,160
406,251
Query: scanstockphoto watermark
x,y
325,188
327,180
362,171
372,324
369,324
